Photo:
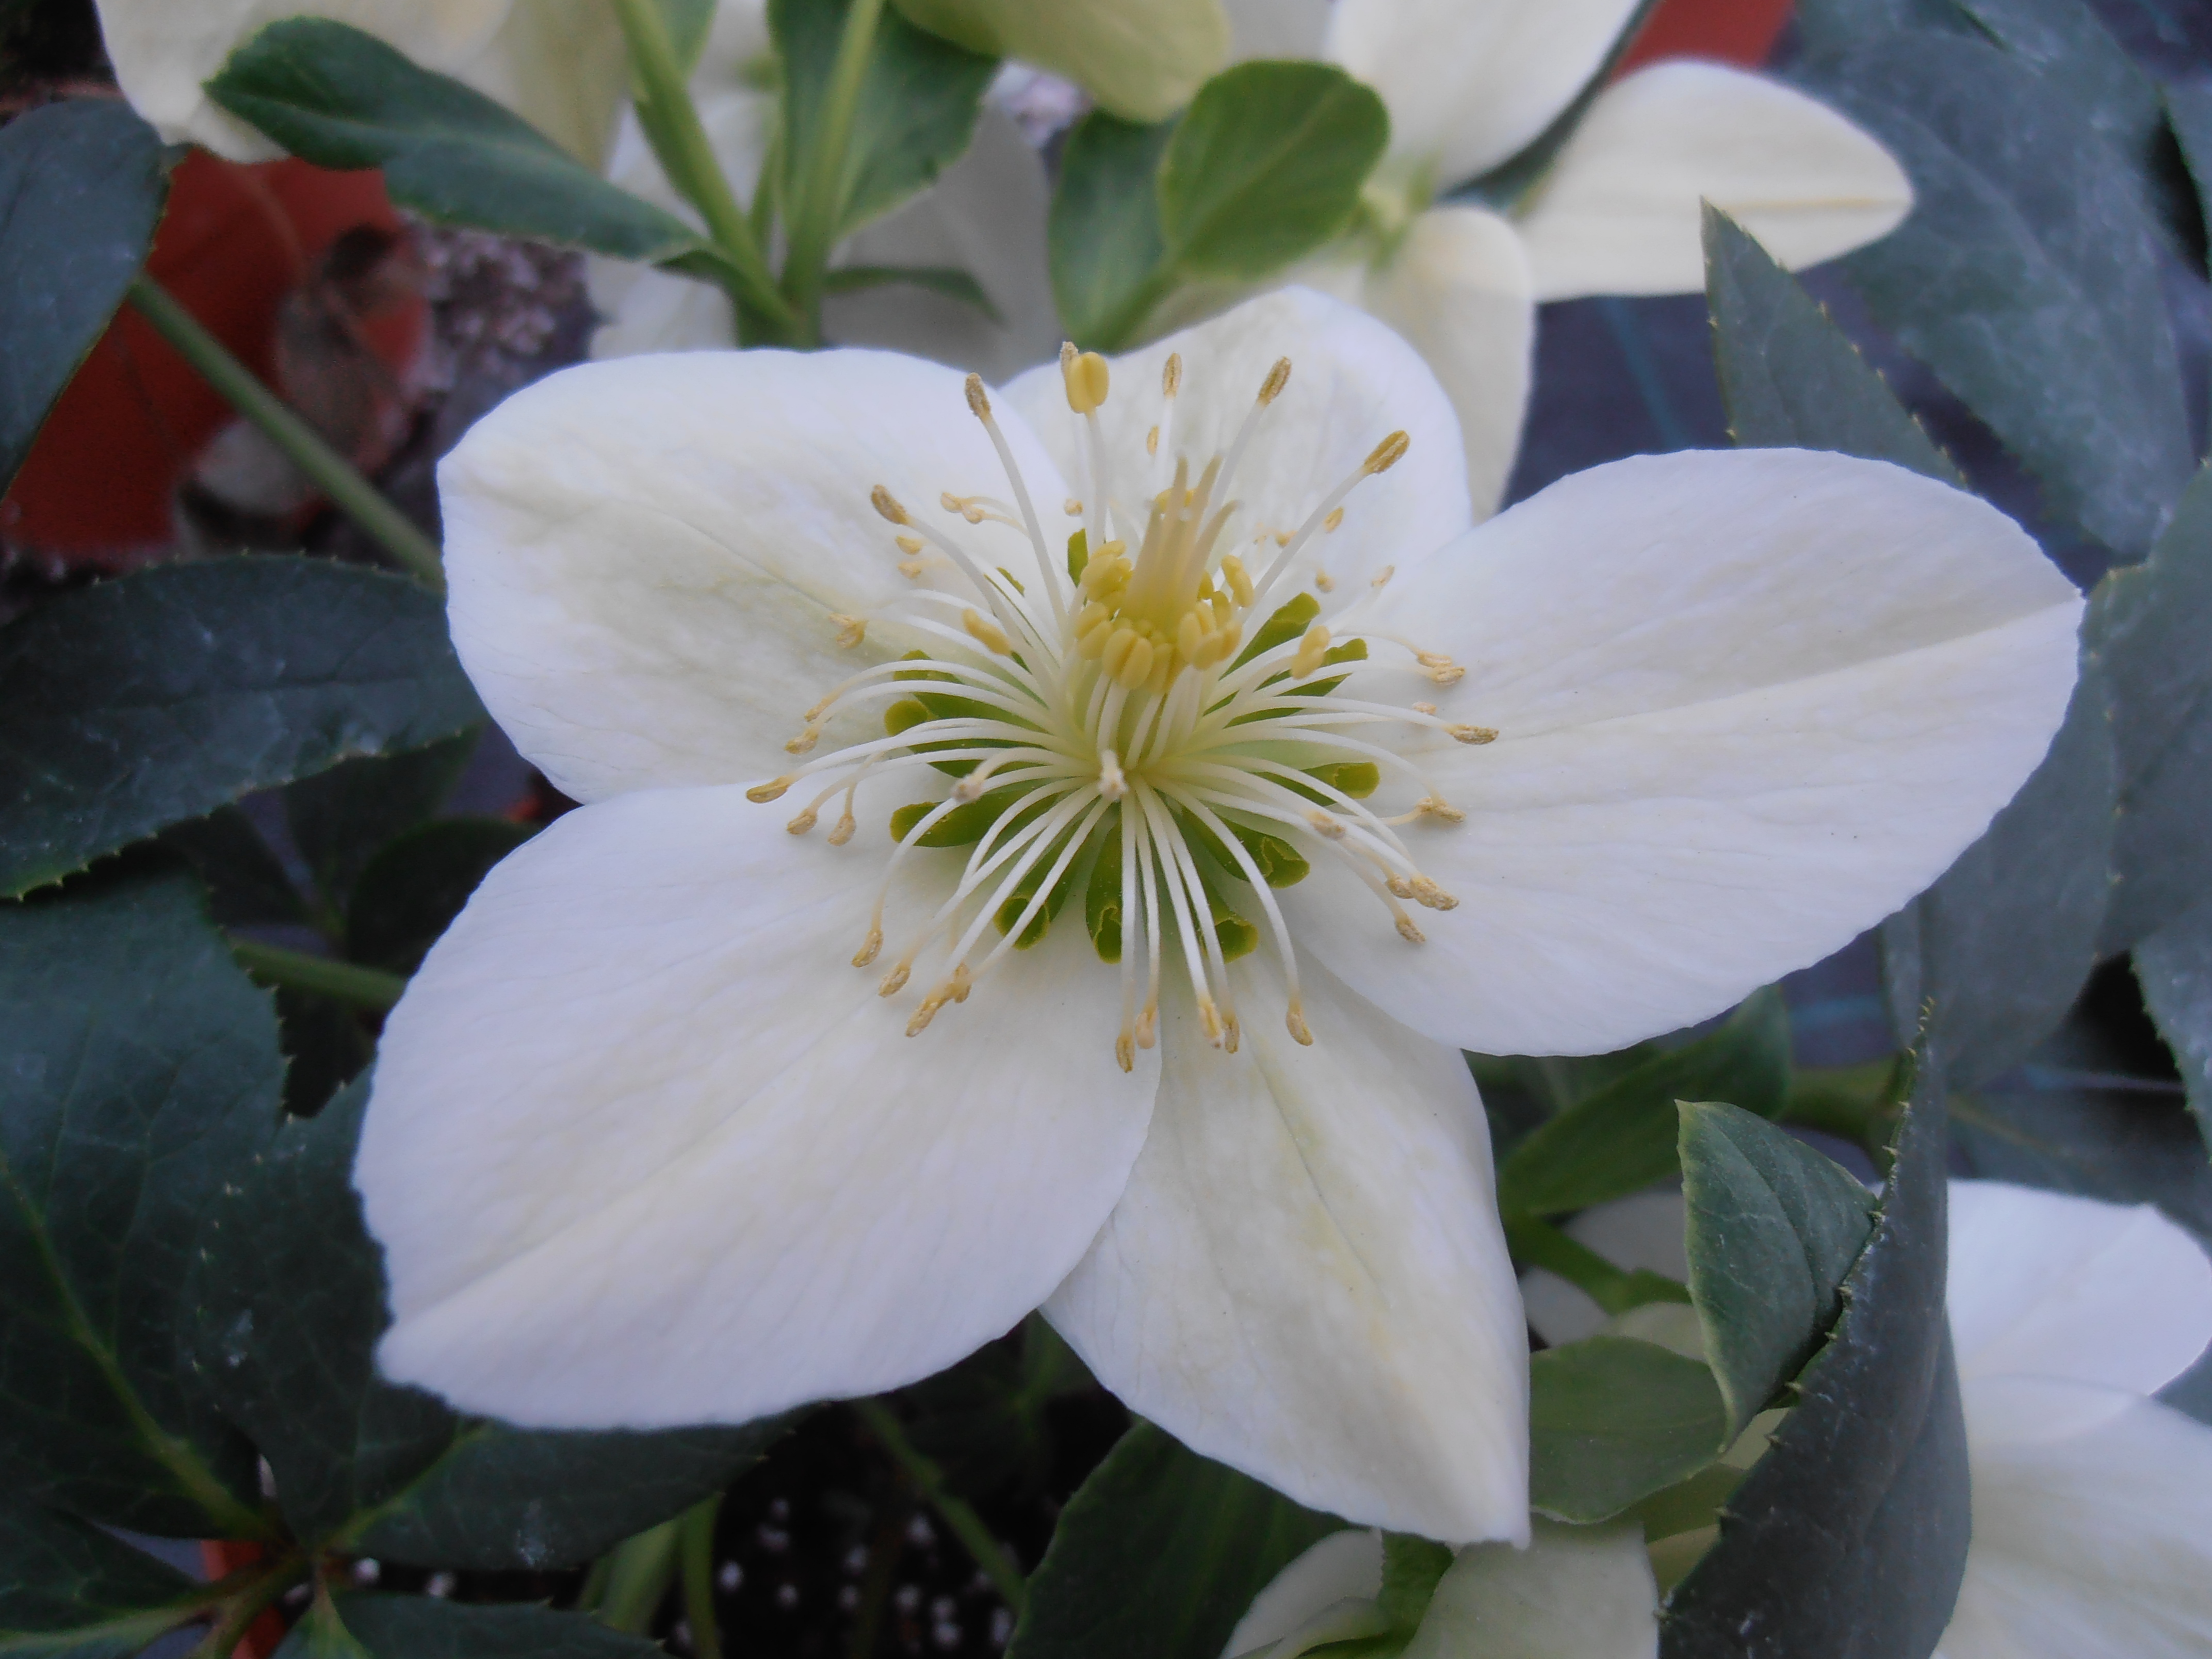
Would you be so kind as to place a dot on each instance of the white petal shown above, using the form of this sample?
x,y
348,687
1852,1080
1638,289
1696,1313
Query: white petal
x,y
1353,383
644,556
1345,1566
1306,1278
1575,1593
1277,28
1457,289
1750,702
1620,213
1470,82
562,66
2095,1547
163,49
1643,1231
645,1148
1142,59
985,217
2053,1285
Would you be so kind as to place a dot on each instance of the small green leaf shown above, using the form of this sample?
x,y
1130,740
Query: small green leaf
x,y
1412,1569
2174,966
411,891
1266,166
72,1591
1612,1419
1107,252
1160,1553
1622,1137
339,97
82,186
142,1071
1849,1537
340,819
1773,1228
154,698
246,881
2146,630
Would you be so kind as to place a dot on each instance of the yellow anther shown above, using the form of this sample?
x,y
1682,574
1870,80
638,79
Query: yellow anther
x,y
909,545
1210,1018
1086,376
1073,507
1137,665
1114,654
1324,581
1295,1017
1171,374
1324,824
1125,1051
962,505
1386,454
761,793
1473,733
1239,579
1451,675
1090,617
1111,784
1148,1025
1430,806
841,831
1191,632
1410,933
985,632
1277,378
962,981
1232,1034
1330,523
895,981
1384,575
1426,892
869,946
978,400
803,742
914,569
1400,886
1106,572
1311,650
1425,708
888,504
851,630
802,824
1433,658
1152,441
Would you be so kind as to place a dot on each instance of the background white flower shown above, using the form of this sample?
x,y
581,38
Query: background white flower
x,y
646,1146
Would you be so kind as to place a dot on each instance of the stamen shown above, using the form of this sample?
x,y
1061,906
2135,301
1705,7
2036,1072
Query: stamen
x,y
1277,378
1383,576
761,793
1476,734
1328,525
1086,376
851,630
888,505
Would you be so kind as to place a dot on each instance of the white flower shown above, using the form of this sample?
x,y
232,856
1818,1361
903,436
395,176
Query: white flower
x,y
558,63
648,1146
1469,83
985,215
1585,1592
2092,1501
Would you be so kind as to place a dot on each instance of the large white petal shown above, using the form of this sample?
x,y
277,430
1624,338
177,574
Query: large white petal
x,y
2051,1285
644,1148
1306,1278
1353,383
1470,82
2097,1546
1345,1566
985,215
163,51
1457,289
1750,702
644,556
1620,213
1581,1591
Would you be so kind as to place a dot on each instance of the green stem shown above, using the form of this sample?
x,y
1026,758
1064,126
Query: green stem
x,y
327,470
296,970
679,139
1538,1243
929,1480
696,1545
640,1573
239,1611
814,217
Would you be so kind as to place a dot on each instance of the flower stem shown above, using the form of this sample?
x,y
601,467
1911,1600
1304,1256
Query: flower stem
x,y
695,1547
327,470
814,217
670,120
929,1480
1538,1243
297,971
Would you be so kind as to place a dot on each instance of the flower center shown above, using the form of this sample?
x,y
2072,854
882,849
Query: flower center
x,y
1161,731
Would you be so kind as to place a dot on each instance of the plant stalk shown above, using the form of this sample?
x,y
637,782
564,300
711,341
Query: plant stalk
x,y
953,1510
813,218
327,470
695,1547
348,982
641,1570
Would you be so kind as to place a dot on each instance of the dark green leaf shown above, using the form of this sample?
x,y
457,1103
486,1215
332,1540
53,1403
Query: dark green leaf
x,y
341,98
1266,165
71,1591
340,819
919,100
412,889
419,1627
1995,953
1789,376
2126,1145
1612,1419
246,881
1847,1540
2146,630
82,187
506,1499
154,698
288,1290
1103,238
2027,276
1159,1553
1621,1138
1773,1228
2174,966
141,1071
326,1047
950,281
